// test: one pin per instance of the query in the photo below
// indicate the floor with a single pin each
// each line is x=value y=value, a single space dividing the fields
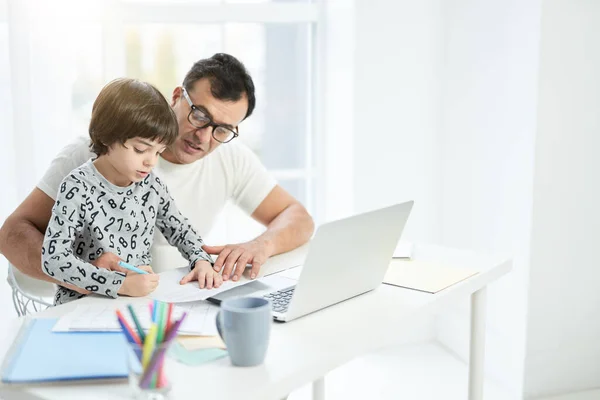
x=401 y=373
x=405 y=373
x=588 y=395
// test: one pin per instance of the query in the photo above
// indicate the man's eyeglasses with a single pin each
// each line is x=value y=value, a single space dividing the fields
x=200 y=120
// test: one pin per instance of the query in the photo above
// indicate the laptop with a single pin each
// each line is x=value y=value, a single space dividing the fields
x=346 y=258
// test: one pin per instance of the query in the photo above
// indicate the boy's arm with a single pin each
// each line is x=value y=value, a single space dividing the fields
x=58 y=260
x=22 y=235
x=178 y=231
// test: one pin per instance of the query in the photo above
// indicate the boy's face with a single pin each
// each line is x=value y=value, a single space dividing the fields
x=193 y=143
x=135 y=159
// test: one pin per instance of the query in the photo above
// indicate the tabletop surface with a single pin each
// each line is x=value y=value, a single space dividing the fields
x=302 y=350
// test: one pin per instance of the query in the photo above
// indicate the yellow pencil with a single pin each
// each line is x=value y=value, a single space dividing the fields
x=149 y=344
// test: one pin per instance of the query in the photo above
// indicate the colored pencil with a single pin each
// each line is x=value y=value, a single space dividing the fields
x=169 y=315
x=127 y=328
x=158 y=356
x=149 y=346
x=132 y=268
x=138 y=326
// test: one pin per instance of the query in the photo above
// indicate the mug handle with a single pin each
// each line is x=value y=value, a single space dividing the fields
x=219 y=328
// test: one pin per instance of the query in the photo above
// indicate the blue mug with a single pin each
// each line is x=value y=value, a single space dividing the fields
x=244 y=324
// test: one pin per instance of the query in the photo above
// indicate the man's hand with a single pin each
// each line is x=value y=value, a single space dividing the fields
x=234 y=257
x=204 y=274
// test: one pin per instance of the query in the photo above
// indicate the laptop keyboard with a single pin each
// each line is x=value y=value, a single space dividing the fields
x=280 y=299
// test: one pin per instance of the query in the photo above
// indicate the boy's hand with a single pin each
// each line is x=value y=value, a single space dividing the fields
x=110 y=261
x=139 y=285
x=204 y=274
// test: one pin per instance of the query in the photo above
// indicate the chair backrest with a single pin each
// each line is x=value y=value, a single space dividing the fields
x=29 y=294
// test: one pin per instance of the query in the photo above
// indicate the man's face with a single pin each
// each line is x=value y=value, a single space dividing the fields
x=192 y=143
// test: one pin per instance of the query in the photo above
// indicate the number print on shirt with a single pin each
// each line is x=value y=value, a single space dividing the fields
x=98 y=278
x=112 y=221
x=91 y=217
x=69 y=265
x=71 y=193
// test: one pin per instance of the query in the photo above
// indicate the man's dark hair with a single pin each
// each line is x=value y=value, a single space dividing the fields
x=228 y=77
x=128 y=108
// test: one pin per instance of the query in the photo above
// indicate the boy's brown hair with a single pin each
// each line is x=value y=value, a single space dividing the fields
x=128 y=108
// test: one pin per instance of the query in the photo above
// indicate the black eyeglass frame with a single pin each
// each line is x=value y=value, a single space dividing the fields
x=210 y=122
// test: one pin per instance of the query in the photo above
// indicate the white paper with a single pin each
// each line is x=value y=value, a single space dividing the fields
x=102 y=318
x=403 y=250
x=170 y=291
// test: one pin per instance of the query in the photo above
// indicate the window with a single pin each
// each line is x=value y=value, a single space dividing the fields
x=277 y=57
x=75 y=49
x=274 y=39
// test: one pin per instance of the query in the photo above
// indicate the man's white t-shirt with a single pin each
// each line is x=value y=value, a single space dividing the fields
x=200 y=189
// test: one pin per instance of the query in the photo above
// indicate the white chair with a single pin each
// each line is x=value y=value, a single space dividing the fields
x=29 y=295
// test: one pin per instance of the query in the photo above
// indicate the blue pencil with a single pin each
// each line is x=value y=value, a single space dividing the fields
x=130 y=338
x=131 y=267
x=137 y=349
x=154 y=311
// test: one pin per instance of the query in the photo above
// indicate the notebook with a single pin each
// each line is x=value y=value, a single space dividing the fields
x=39 y=355
x=425 y=276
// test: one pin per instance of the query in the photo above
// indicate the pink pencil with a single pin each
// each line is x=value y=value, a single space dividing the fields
x=128 y=328
x=169 y=312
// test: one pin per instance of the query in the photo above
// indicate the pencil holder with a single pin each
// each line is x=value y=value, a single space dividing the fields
x=148 y=375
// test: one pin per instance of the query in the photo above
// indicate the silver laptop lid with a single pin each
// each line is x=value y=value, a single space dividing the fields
x=348 y=257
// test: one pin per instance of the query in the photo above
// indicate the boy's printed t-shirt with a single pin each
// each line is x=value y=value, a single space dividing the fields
x=92 y=216
x=232 y=172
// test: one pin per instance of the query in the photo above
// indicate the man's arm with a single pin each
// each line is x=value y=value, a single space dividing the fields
x=22 y=235
x=288 y=223
x=288 y=226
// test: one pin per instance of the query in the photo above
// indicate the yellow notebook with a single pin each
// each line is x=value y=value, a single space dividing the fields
x=425 y=276
x=201 y=342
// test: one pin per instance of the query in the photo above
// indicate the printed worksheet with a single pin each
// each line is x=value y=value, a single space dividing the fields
x=102 y=318
x=170 y=291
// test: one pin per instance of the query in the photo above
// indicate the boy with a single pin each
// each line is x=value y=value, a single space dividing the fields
x=112 y=203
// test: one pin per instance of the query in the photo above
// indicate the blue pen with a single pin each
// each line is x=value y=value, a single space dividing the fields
x=131 y=267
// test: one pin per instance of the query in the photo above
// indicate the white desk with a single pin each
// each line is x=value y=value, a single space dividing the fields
x=304 y=350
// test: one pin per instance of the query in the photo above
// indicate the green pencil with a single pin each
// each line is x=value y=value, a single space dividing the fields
x=161 y=322
x=137 y=323
x=160 y=336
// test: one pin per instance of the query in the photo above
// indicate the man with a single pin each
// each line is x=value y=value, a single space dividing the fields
x=203 y=169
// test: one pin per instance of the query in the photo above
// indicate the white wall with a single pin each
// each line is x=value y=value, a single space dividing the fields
x=563 y=336
x=487 y=141
x=397 y=54
x=396 y=109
